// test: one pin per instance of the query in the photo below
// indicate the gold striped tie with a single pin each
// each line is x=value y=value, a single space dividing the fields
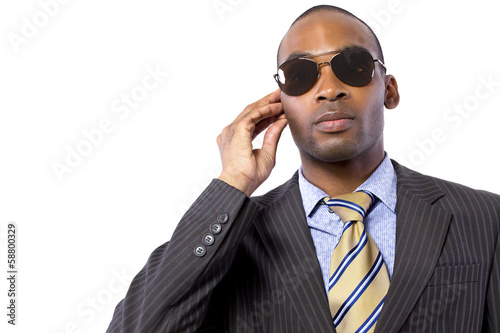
x=358 y=276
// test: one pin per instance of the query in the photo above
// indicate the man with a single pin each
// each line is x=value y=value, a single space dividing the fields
x=262 y=264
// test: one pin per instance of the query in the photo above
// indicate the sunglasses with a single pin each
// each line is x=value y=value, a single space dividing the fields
x=353 y=67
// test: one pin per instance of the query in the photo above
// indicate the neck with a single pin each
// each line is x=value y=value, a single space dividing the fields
x=335 y=178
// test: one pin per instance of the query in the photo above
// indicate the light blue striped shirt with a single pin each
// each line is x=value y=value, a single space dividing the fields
x=326 y=228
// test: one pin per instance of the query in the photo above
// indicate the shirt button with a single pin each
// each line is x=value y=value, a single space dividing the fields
x=223 y=218
x=215 y=228
x=200 y=251
x=208 y=239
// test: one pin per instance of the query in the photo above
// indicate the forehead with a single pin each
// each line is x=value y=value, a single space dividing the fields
x=323 y=32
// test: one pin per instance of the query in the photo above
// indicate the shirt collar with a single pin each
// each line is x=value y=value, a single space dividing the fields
x=382 y=183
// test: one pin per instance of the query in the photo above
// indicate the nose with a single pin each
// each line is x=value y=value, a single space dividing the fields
x=328 y=86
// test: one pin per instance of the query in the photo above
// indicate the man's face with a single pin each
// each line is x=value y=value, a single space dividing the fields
x=333 y=121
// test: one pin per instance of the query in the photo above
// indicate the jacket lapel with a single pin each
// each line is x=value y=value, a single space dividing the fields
x=286 y=236
x=420 y=234
x=421 y=230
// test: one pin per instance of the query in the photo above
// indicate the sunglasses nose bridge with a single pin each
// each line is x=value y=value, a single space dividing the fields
x=329 y=63
x=330 y=87
x=321 y=64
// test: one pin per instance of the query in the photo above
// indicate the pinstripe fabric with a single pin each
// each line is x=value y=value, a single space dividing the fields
x=262 y=273
x=462 y=227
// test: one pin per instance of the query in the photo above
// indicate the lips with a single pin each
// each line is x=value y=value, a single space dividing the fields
x=335 y=121
x=334 y=115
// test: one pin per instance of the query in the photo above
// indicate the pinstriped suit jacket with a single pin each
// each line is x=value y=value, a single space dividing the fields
x=262 y=274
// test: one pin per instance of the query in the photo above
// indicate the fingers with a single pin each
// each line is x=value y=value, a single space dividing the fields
x=265 y=123
x=242 y=166
x=260 y=109
x=259 y=118
x=254 y=119
x=273 y=135
x=273 y=97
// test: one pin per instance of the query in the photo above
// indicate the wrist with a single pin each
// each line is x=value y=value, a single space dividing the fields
x=237 y=182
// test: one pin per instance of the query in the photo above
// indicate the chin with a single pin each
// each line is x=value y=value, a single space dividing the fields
x=332 y=154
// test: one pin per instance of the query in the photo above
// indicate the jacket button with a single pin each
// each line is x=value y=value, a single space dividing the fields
x=208 y=239
x=215 y=228
x=200 y=251
x=222 y=218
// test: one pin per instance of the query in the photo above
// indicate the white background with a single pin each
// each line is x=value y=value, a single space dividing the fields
x=82 y=236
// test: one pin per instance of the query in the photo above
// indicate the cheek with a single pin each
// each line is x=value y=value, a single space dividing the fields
x=374 y=106
x=286 y=102
x=293 y=114
x=288 y=108
x=374 y=123
x=294 y=106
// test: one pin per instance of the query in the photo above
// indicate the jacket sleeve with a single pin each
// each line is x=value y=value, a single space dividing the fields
x=171 y=293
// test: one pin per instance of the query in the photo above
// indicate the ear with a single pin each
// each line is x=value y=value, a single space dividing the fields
x=391 y=92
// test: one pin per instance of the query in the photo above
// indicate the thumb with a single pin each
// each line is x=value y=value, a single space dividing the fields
x=273 y=135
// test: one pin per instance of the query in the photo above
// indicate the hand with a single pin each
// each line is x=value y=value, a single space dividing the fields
x=242 y=166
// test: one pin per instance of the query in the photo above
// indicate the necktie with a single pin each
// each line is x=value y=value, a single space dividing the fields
x=358 y=276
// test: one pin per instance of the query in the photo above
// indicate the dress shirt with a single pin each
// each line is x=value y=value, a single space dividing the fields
x=380 y=222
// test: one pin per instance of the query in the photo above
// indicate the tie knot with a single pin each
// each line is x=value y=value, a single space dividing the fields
x=350 y=206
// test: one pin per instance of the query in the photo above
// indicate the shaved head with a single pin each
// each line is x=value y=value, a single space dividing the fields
x=337 y=10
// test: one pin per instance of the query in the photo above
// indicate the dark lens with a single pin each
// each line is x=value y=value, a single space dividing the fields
x=354 y=67
x=297 y=76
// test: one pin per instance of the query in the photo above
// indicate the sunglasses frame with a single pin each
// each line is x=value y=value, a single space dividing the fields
x=318 y=65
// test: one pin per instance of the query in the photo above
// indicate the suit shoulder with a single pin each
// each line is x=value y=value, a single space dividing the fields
x=451 y=188
x=278 y=193
x=423 y=185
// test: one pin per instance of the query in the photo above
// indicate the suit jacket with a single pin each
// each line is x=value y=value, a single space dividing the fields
x=261 y=274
